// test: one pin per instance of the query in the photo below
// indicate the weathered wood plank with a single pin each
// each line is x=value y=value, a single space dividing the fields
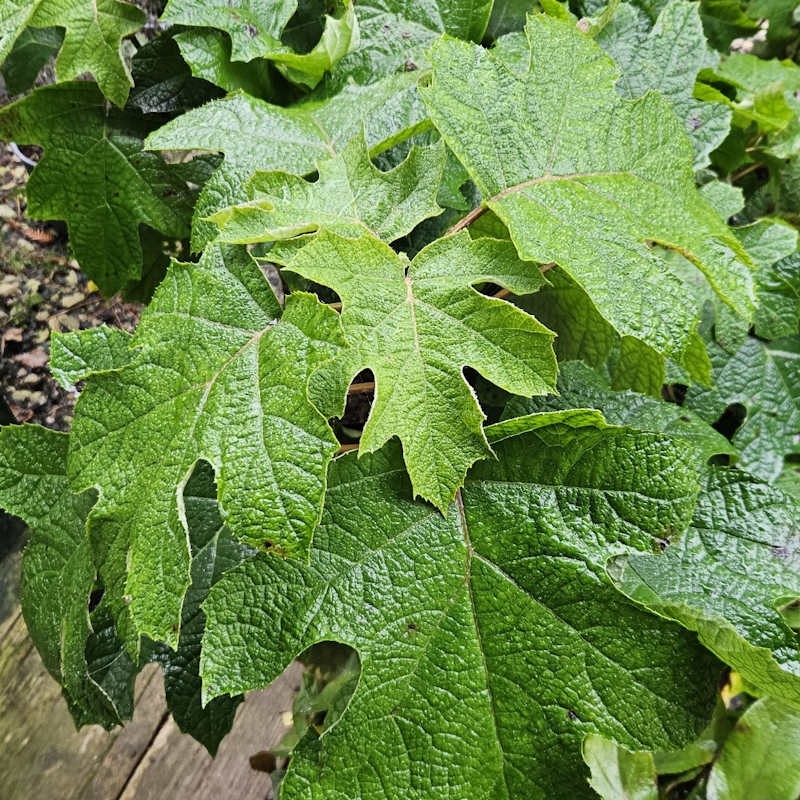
x=41 y=753
x=176 y=766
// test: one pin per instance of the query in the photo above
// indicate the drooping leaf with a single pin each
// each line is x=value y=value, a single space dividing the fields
x=761 y=757
x=58 y=572
x=32 y=49
x=581 y=387
x=77 y=355
x=115 y=186
x=726 y=577
x=216 y=377
x=214 y=550
x=618 y=774
x=587 y=180
x=255 y=30
x=93 y=34
x=764 y=378
x=455 y=698
x=351 y=196
x=416 y=325
x=667 y=59
x=300 y=136
x=207 y=52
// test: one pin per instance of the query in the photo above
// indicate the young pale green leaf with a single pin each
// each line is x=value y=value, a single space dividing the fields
x=726 y=577
x=255 y=30
x=214 y=550
x=300 y=136
x=764 y=378
x=94 y=30
x=58 y=572
x=588 y=180
x=761 y=757
x=667 y=59
x=351 y=196
x=77 y=355
x=618 y=774
x=416 y=326
x=115 y=186
x=216 y=377
x=491 y=640
x=581 y=387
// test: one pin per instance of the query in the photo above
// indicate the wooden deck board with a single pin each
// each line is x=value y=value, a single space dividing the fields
x=42 y=755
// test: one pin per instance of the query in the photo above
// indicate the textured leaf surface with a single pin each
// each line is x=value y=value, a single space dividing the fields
x=216 y=377
x=115 y=185
x=726 y=577
x=581 y=387
x=255 y=29
x=300 y=136
x=396 y=34
x=618 y=774
x=454 y=697
x=778 y=313
x=77 y=355
x=58 y=573
x=350 y=195
x=416 y=325
x=761 y=757
x=764 y=377
x=214 y=550
x=667 y=59
x=94 y=30
x=32 y=49
x=586 y=179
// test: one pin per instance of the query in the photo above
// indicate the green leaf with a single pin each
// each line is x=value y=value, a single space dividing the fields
x=32 y=49
x=93 y=34
x=114 y=185
x=208 y=55
x=761 y=757
x=58 y=573
x=77 y=355
x=726 y=577
x=214 y=551
x=255 y=30
x=581 y=387
x=667 y=59
x=618 y=774
x=764 y=377
x=416 y=326
x=217 y=378
x=350 y=197
x=163 y=81
x=491 y=642
x=396 y=35
x=778 y=288
x=587 y=179
x=300 y=136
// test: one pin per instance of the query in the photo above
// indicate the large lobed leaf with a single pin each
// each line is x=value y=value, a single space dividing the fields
x=491 y=640
x=416 y=325
x=588 y=180
x=215 y=376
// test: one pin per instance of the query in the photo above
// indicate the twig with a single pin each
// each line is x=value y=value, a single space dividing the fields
x=746 y=171
x=361 y=388
x=346 y=448
x=466 y=221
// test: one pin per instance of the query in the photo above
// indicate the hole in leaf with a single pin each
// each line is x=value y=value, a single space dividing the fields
x=731 y=420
